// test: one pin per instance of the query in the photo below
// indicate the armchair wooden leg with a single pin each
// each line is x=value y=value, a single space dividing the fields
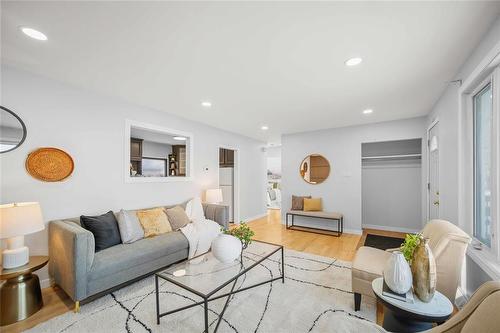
x=77 y=307
x=357 y=301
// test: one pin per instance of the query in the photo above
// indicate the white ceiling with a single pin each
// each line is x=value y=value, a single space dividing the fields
x=274 y=63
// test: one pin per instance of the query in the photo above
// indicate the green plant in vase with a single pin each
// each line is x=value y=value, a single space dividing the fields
x=409 y=245
x=242 y=232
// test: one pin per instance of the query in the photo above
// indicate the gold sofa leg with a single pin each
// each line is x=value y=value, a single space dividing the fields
x=77 y=307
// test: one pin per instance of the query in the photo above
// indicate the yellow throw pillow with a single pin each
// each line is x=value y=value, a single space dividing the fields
x=154 y=222
x=311 y=205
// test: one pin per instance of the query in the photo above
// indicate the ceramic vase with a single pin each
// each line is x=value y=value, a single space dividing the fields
x=397 y=273
x=423 y=267
x=226 y=248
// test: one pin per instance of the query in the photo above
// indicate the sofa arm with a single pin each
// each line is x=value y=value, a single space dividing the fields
x=217 y=213
x=71 y=250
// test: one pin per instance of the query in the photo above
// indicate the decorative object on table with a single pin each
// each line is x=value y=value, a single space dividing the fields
x=416 y=316
x=17 y=220
x=226 y=248
x=405 y=297
x=423 y=267
x=214 y=196
x=49 y=164
x=12 y=130
x=397 y=273
x=242 y=232
x=409 y=245
x=20 y=294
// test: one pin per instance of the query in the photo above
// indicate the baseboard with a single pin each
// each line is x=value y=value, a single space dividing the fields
x=45 y=283
x=252 y=218
x=385 y=228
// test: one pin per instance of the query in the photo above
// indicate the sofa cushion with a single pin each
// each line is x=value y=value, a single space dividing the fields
x=121 y=257
x=177 y=217
x=154 y=222
x=104 y=228
x=312 y=205
x=298 y=202
x=129 y=225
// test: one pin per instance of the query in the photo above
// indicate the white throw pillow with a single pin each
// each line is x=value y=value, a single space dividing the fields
x=194 y=210
x=129 y=226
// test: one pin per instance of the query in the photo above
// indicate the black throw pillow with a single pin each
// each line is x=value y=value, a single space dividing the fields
x=105 y=229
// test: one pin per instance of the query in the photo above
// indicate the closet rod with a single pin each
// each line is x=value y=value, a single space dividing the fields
x=390 y=156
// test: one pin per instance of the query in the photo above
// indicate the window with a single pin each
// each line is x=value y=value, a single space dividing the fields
x=483 y=142
x=154 y=167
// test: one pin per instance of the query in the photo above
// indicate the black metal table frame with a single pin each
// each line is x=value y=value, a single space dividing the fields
x=208 y=297
x=398 y=319
x=336 y=233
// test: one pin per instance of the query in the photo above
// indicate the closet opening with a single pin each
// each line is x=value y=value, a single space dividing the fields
x=391 y=185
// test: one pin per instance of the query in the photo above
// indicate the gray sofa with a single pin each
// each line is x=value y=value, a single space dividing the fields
x=85 y=275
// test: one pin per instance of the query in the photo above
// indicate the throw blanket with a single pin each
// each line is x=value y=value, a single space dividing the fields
x=200 y=234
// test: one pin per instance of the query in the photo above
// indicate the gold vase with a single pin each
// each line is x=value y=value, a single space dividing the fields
x=423 y=268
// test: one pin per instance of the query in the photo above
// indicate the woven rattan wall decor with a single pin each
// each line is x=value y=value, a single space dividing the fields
x=49 y=164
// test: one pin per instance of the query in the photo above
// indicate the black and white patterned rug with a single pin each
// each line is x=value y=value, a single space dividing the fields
x=316 y=297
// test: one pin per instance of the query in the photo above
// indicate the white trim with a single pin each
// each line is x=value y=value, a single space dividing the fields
x=236 y=180
x=486 y=261
x=428 y=166
x=126 y=154
x=387 y=228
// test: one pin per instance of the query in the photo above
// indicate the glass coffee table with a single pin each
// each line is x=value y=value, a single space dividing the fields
x=215 y=276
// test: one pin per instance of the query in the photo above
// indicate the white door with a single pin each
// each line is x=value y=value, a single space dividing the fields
x=433 y=171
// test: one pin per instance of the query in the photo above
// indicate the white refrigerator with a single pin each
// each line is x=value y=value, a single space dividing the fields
x=226 y=179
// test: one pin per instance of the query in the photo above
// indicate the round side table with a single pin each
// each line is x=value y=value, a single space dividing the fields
x=20 y=294
x=400 y=316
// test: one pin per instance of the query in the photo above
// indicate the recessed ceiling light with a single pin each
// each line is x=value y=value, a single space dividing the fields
x=367 y=111
x=206 y=104
x=264 y=127
x=353 y=61
x=179 y=138
x=35 y=34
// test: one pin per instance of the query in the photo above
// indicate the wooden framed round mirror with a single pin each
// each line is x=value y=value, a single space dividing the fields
x=12 y=130
x=314 y=169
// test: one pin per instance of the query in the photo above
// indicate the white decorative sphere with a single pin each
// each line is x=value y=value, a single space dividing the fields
x=226 y=248
x=397 y=273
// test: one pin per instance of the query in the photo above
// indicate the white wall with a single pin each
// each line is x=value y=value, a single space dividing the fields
x=274 y=159
x=91 y=128
x=447 y=111
x=342 y=147
x=392 y=195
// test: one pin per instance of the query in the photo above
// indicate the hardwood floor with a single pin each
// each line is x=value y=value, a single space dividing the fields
x=268 y=229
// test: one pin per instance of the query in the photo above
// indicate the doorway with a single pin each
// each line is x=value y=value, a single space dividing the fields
x=229 y=180
x=433 y=171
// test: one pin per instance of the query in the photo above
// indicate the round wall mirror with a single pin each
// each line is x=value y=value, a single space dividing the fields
x=314 y=169
x=12 y=130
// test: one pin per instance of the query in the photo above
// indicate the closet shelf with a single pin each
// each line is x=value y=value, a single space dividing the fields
x=391 y=157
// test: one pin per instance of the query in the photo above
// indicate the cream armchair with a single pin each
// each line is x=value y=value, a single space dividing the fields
x=479 y=315
x=448 y=244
